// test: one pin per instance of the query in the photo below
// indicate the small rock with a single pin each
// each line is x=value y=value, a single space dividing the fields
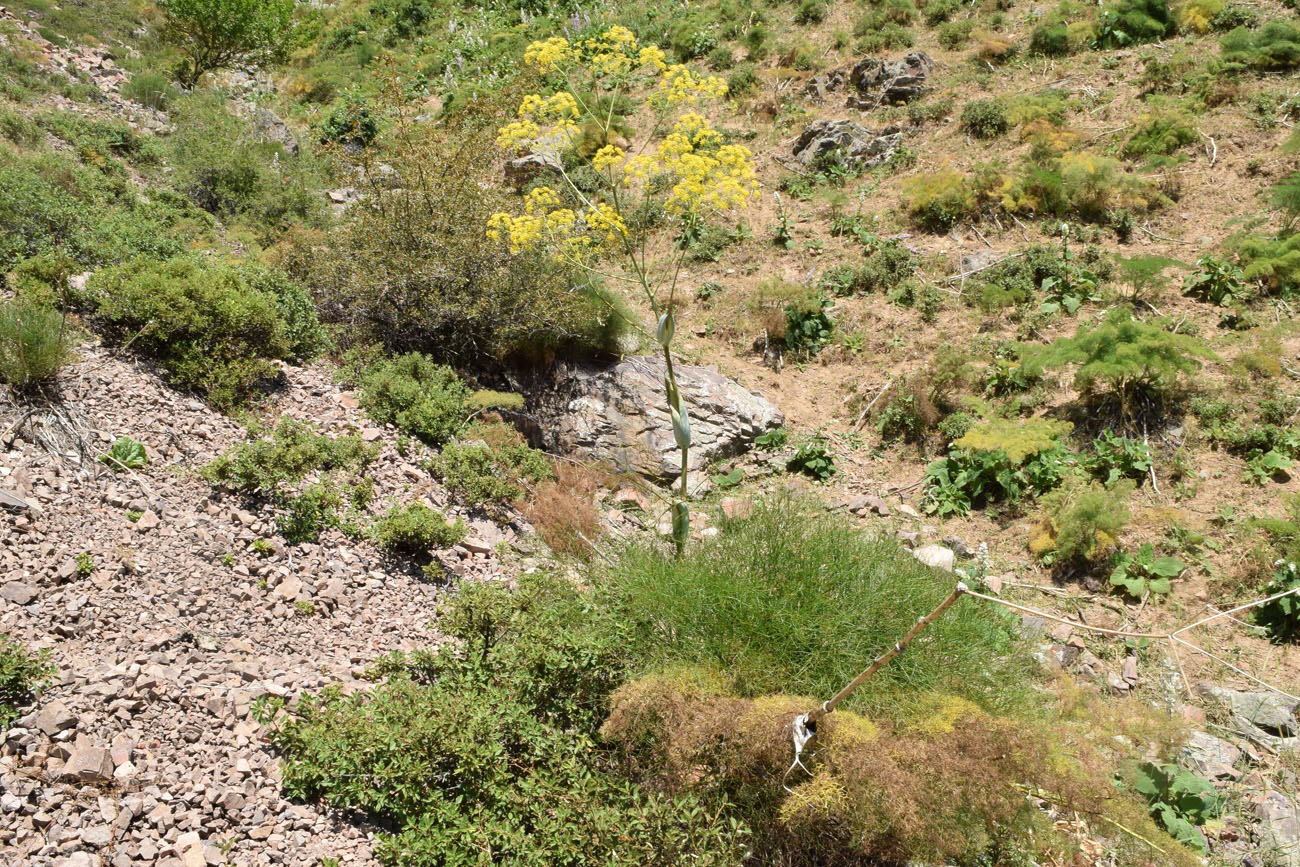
x=54 y=717
x=734 y=508
x=17 y=592
x=936 y=556
x=89 y=765
x=1208 y=753
x=147 y=521
x=1268 y=711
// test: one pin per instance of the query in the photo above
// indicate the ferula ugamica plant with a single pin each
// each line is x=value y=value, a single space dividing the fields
x=681 y=169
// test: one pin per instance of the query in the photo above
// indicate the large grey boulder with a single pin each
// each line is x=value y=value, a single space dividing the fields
x=617 y=413
x=270 y=127
x=874 y=81
x=1270 y=712
x=855 y=143
x=1279 y=829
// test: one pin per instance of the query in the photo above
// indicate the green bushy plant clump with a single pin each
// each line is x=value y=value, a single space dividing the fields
x=997 y=461
x=1271 y=263
x=1281 y=617
x=952 y=35
x=792 y=600
x=1216 y=282
x=1179 y=801
x=352 y=122
x=23 y=675
x=1143 y=572
x=223 y=166
x=213 y=328
x=224 y=34
x=416 y=530
x=50 y=203
x=293 y=451
x=1160 y=133
x=1081 y=523
x=1198 y=15
x=1066 y=278
x=415 y=395
x=936 y=12
x=402 y=270
x=1122 y=357
x=489 y=744
x=35 y=344
x=1116 y=457
x=304 y=515
x=1274 y=46
x=813 y=459
x=491 y=465
x=1051 y=40
x=808 y=327
x=810 y=12
x=940 y=201
x=985 y=118
x=153 y=89
x=1130 y=22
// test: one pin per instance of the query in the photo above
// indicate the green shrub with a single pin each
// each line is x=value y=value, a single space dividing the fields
x=417 y=396
x=213 y=328
x=488 y=744
x=1082 y=522
x=415 y=530
x=490 y=466
x=808 y=327
x=23 y=675
x=953 y=35
x=1132 y=360
x=1066 y=278
x=1272 y=263
x=1050 y=40
x=813 y=459
x=1216 y=282
x=1160 y=133
x=1276 y=45
x=810 y=12
x=793 y=600
x=1115 y=457
x=221 y=34
x=996 y=461
x=985 y=118
x=351 y=122
x=35 y=344
x=294 y=450
x=308 y=513
x=1129 y=22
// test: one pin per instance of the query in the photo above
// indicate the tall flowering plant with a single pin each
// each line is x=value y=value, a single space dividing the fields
x=681 y=165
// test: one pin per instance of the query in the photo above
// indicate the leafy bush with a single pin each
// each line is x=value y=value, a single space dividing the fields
x=812 y=459
x=996 y=461
x=888 y=263
x=1117 y=457
x=1051 y=40
x=1066 y=278
x=1281 y=617
x=1160 y=133
x=415 y=530
x=490 y=466
x=220 y=34
x=1273 y=263
x=1216 y=282
x=1143 y=572
x=416 y=396
x=22 y=676
x=1082 y=522
x=403 y=270
x=1276 y=45
x=940 y=201
x=213 y=328
x=985 y=118
x=1133 y=360
x=34 y=344
x=1179 y=801
x=294 y=450
x=351 y=122
x=307 y=513
x=807 y=326
x=488 y=745
x=1129 y=22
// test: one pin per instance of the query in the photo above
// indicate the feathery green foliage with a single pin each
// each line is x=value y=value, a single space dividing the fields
x=417 y=396
x=1082 y=522
x=1124 y=356
x=1002 y=460
x=1274 y=46
x=792 y=600
x=35 y=344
